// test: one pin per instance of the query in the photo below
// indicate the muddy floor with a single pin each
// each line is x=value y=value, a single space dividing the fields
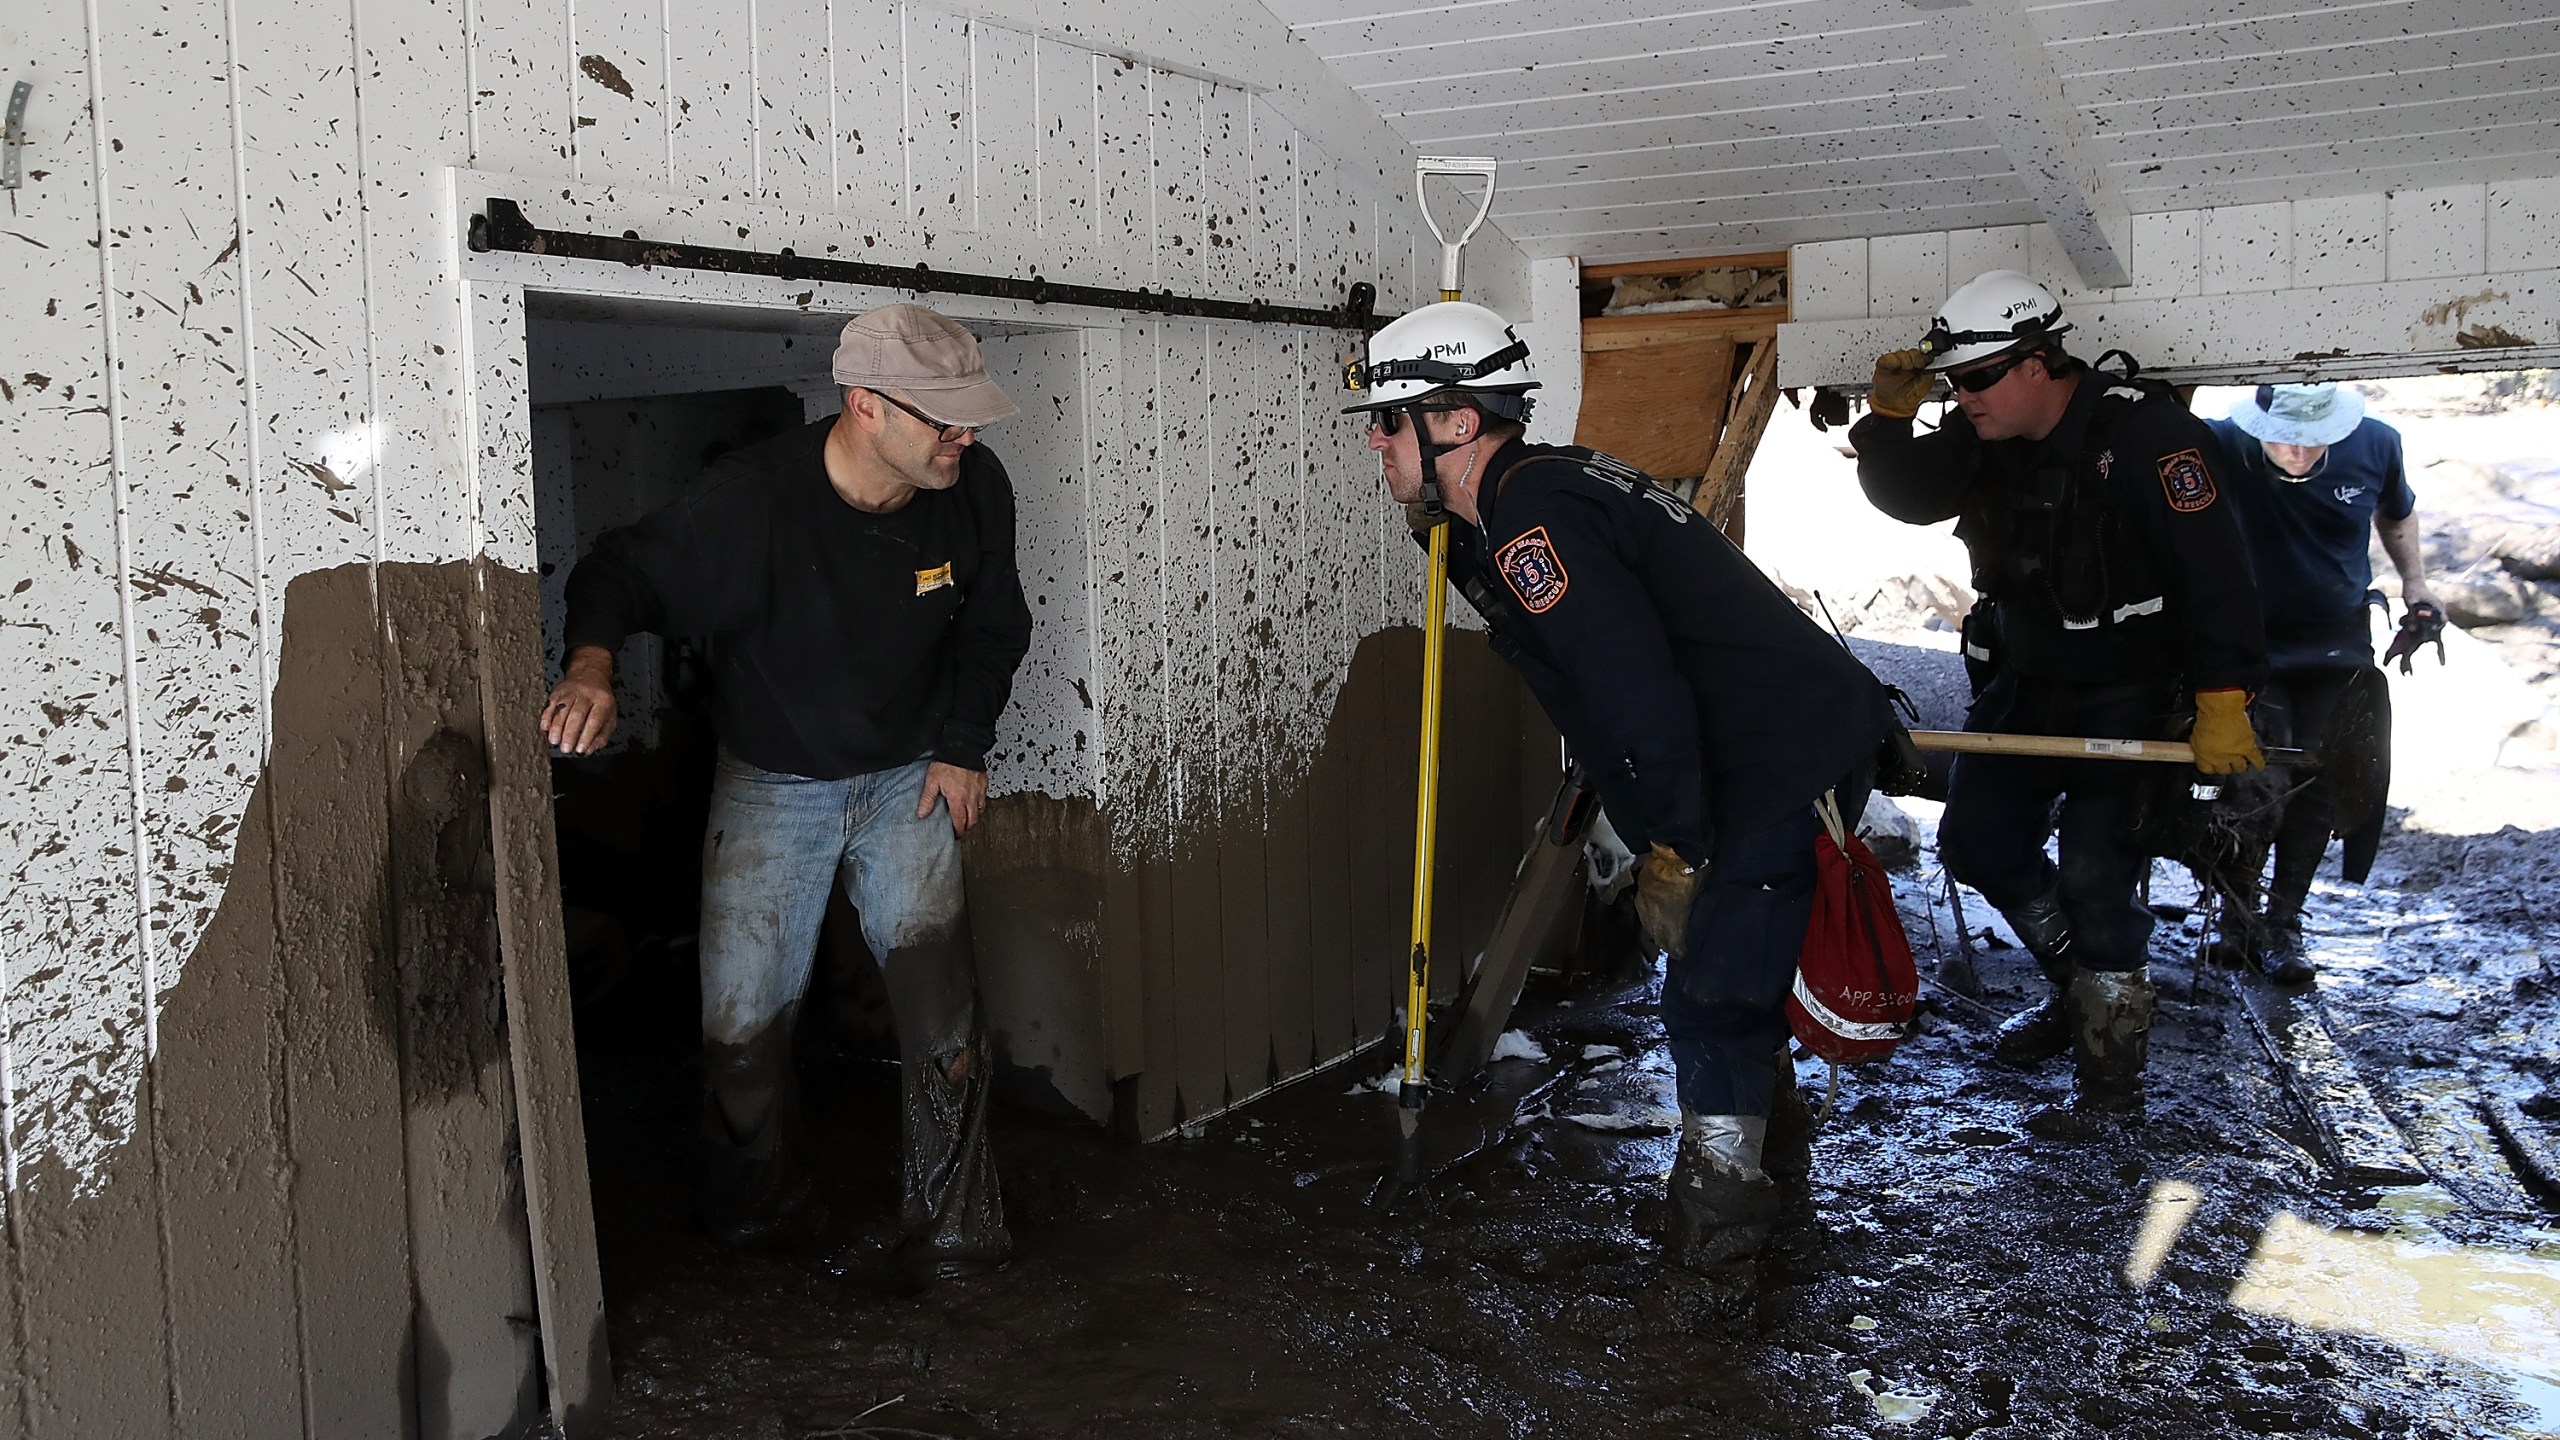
x=1979 y=1263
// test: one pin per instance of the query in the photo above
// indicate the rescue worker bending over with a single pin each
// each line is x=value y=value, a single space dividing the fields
x=1710 y=712
x=2312 y=475
x=2113 y=583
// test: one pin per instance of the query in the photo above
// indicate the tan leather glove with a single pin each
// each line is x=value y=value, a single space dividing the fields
x=1664 y=886
x=1902 y=382
x=1419 y=520
x=2223 y=742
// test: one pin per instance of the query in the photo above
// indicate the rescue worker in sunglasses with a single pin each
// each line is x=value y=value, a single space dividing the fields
x=2114 y=595
x=1708 y=710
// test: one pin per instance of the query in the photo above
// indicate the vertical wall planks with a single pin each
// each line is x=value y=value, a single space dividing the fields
x=620 y=110
x=520 y=90
x=1065 y=120
x=1005 y=144
x=1226 y=192
x=1293 y=718
x=937 y=120
x=413 y=299
x=1245 y=659
x=795 y=104
x=711 y=88
x=870 y=108
x=1175 y=124
x=1149 y=675
x=1328 y=539
x=315 y=455
x=1184 y=464
x=1124 y=190
x=83 y=1270
x=1270 y=204
x=1046 y=736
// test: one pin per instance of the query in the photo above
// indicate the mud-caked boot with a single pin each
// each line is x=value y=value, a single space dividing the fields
x=1724 y=1205
x=2111 y=1014
x=2035 y=1035
x=2277 y=949
x=951 y=1211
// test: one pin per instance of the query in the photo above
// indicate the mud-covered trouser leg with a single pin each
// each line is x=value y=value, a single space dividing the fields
x=1992 y=838
x=770 y=851
x=904 y=877
x=1724 y=999
x=2309 y=699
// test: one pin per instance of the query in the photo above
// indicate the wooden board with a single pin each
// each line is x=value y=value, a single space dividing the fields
x=1657 y=408
x=1605 y=334
x=2360 y=1140
x=1690 y=265
x=1719 y=493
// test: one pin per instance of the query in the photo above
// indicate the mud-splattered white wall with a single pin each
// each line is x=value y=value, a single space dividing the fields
x=246 y=349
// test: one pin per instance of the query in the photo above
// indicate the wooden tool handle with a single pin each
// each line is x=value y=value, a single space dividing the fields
x=2062 y=747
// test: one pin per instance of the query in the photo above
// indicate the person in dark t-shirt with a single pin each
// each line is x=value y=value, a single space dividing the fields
x=2312 y=476
x=854 y=581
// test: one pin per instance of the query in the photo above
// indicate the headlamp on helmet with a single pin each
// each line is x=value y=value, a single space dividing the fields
x=1994 y=312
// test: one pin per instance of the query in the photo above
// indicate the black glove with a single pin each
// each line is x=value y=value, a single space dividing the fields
x=2420 y=624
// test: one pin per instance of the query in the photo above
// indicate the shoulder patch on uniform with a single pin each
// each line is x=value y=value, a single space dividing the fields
x=2188 y=480
x=1531 y=567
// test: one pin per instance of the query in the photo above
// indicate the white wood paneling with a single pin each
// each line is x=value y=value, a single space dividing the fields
x=1005 y=130
x=1068 y=142
x=941 y=191
x=618 y=94
x=2523 y=223
x=711 y=90
x=795 y=103
x=1906 y=274
x=870 y=108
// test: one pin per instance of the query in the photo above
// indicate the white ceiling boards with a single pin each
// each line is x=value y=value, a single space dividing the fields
x=1630 y=129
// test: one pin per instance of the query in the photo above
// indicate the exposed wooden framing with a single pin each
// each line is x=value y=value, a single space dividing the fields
x=1747 y=411
x=1751 y=323
x=1690 y=265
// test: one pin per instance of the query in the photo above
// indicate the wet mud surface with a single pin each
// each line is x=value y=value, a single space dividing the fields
x=1979 y=1262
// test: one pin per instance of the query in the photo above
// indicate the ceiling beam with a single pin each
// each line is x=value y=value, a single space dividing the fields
x=1995 y=50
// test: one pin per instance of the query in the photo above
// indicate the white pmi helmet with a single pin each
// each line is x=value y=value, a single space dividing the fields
x=1450 y=346
x=1993 y=312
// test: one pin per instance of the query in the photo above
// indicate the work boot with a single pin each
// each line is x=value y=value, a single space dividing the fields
x=1724 y=1206
x=2035 y=1035
x=2111 y=1035
x=2277 y=947
x=951 y=1211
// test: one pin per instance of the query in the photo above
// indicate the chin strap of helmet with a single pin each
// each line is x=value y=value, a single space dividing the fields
x=1431 y=451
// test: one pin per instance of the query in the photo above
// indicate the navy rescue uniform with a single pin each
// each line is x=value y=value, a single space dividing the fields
x=2310 y=542
x=1708 y=710
x=2112 y=583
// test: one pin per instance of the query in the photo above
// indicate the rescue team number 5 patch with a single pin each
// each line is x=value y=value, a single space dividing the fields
x=1530 y=566
x=2188 y=480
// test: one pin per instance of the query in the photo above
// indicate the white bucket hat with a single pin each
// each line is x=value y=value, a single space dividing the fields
x=2319 y=414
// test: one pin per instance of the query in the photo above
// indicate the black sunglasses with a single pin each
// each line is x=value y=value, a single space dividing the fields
x=1974 y=382
x=1388 y=422
x=941 y=431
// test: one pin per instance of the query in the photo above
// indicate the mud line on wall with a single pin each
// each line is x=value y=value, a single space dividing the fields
x=1049 y=901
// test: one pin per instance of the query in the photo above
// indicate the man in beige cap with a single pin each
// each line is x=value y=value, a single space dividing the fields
x=854 y=582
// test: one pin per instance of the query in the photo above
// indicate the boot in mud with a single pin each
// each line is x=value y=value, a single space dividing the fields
x=1787 y=1154
x=1723 y=1209
x=2033 y=1036
x=2277 y=949
x=2111 y=1014
x=751 y=1190
x=951 y=1212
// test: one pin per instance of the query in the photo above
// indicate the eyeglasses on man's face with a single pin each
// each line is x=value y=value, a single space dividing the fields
x=942 y=432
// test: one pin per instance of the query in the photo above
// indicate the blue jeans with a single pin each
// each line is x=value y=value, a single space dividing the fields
x=1724 y=1000
x=774 y=845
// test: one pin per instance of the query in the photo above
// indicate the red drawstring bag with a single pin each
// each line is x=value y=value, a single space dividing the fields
x=1855 y=984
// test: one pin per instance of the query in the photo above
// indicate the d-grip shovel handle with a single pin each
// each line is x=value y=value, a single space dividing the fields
x=1452 y=167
